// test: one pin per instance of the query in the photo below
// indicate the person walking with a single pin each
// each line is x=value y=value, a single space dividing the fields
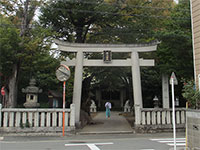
x=108 y=107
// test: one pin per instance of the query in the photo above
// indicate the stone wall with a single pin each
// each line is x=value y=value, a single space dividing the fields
x=193 y=128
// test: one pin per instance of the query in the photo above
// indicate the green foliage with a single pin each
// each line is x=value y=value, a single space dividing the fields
x=24 y=125
x=190 y=93
x=113 y=21
x=34 y=56
x=175 y=51
x=151 y=85
x=21 y=125
x=9 y=43
x=27 y=124
x=95 y=21
x=39 y=62
x=99 y=21
x=25 y=44
x=44 y=105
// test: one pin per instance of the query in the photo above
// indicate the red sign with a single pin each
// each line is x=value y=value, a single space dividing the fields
x=3 y=91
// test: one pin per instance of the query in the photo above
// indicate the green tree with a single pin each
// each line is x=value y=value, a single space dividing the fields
x=25 y=47
x=134 y=23
x=40 y=63
x=9 y=43
x=174 y=53
x=74 y=19
x=21 y=15
x=105 y=21
x=190 y=93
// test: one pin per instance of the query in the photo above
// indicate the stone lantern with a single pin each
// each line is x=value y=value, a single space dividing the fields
x=156 y=102
x=31 y=92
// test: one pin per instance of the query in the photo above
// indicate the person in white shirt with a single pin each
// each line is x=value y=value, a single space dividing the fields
x=108 y=107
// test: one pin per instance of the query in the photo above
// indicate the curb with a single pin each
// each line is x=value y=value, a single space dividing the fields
x=106 y=132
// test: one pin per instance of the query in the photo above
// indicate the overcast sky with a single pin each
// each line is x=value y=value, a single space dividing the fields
x=176 y=1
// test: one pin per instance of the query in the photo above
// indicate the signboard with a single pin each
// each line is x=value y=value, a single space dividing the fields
x=107 y=56
x=173 y=77
x=63 y=73
x=3 y=91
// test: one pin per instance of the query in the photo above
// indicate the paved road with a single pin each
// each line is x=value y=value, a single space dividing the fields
x=91 y=142
x=115 y=124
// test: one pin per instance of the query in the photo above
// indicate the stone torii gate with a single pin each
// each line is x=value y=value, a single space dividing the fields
x=134 y=63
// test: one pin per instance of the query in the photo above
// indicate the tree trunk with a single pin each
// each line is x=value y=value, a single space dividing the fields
x=79 y=34
x=13 y=81
x=12 y=87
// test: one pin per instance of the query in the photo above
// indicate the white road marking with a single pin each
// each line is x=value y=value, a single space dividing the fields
x=147 y=149
x=177 y=139
x=92 y=146
x=1 y=138
x=170 y=141
x=177 y=144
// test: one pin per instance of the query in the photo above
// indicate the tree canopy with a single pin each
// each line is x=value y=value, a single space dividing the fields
x=175 y=51
x=24 y=47
x=26 y=51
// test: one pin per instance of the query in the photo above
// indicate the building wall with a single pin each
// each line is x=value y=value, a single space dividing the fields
x=196 y=35
x=193 y=117
x=193 y=128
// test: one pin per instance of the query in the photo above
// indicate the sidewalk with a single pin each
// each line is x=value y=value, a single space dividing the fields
x=115 y=124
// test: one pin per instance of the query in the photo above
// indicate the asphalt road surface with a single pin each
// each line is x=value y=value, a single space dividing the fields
x=162 y=141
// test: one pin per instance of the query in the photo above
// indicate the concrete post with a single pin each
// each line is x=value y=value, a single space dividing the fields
x=11 y=119
x=137 y=115
x=78 y=85
x=72 y=115
x=36 y=119
x=165 y=91
x=137 y=90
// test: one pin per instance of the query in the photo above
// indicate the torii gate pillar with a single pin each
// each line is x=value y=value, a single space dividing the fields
x=78 y=85
x=137 y=90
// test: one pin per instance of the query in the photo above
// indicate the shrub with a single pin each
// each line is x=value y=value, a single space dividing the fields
x=190 y=93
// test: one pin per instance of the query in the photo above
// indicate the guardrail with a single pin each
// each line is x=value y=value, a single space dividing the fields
x=19 y=119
